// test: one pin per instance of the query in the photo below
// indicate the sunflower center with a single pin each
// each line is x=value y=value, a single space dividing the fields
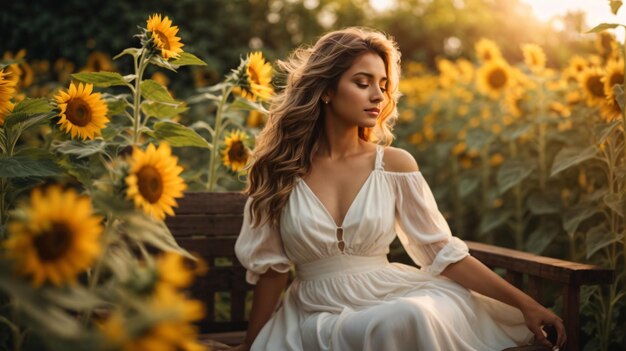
x=150 y=183
x=163 y=38
x=237 y=152
x=78 y=112
x=595 y=86
x=54 y=242
x=497 y=78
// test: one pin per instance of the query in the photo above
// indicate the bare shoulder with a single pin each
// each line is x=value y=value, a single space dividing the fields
x=399 y=160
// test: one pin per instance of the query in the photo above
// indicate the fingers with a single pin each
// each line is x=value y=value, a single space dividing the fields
x=539 y=337
x=562 y=336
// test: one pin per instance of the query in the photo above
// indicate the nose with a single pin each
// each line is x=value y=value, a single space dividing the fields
x=378 y=95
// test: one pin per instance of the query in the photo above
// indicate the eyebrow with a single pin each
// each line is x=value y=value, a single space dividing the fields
x=368 y=75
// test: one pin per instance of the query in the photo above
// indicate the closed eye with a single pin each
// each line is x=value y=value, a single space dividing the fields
x=363 y=86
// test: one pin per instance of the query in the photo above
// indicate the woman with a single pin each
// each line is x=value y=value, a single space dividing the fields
x=329 y=195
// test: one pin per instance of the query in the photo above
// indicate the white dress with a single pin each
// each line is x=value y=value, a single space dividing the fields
x=355 y=299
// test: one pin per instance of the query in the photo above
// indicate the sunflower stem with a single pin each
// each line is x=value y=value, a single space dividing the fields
x=140 y=66
x=216 y=137
x=95 y=276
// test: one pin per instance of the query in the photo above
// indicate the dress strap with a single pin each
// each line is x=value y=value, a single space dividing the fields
x=380 y=150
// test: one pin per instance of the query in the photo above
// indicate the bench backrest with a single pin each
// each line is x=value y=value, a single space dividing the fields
x=207 y=224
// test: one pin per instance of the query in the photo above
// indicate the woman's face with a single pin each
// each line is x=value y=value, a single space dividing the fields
x=359 y=96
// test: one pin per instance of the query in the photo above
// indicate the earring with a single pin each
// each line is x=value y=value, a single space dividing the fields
x=326 y=101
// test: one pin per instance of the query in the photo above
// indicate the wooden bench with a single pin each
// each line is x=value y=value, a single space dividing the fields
x=208 y=224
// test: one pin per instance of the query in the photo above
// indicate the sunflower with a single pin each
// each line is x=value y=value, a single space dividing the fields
x=466 y=70
x=154 y=180
x=494 y=77
x=610 y=110
x=559 y=109
x=256 y=119
x=592 y=86
x=7 y=90
x=176 y=271
x=98 y=61
x=164 y=36
x=487 y=50
x=171 y=328
x=54 y=237
x=259 y=78
x=5 y=111
x=22 y=73
x=236 y=154
x=495 y=160
x=534 y=57
x=513 y=100
x=83 y=113
x=614 y=74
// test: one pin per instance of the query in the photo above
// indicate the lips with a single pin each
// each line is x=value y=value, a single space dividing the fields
x=373 y=111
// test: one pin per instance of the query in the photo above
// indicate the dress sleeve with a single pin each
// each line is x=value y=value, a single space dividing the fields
x=421 y=228
x=260 y=248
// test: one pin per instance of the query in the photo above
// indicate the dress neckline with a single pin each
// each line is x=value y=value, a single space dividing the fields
x=377 y=166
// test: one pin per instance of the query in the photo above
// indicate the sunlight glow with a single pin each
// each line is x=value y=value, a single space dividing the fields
x=382 y=5
x=597 y=11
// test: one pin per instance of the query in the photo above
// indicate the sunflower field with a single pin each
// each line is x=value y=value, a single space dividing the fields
x=523 y=142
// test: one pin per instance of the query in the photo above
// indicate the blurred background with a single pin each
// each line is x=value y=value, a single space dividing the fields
x=512 y=109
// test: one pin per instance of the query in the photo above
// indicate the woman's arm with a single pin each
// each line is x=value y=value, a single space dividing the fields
x=474 y=275
x=266 y=295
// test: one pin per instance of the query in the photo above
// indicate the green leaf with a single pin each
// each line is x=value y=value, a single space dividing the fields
x=598 y=238
x=467 y=185
x=187 y=59
x=116 y=106
x=573 y=217
x=477 y=138
x=571 y=156
x=511 y=173
x=154 y=91
x=544 y=203
x=130 y=51
x=161 y=62
x=79 y=149
x=603 y=26
x=602 y=130
x=158 y=110
x=33 y=106
x=614 y=202
x=541 y=237
x=202 y=97
x=141 y=227
x=178 y=135
x=514 y=132
x=22 y=166
x=100 y=79
x=493 y=219
x=245 y=104
x=615 y=5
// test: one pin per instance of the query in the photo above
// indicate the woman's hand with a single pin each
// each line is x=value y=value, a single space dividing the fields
x=537 y=316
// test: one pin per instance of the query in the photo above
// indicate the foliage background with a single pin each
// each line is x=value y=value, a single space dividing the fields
x=222 y=31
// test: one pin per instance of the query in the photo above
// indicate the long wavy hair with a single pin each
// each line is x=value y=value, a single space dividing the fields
x=285 y=147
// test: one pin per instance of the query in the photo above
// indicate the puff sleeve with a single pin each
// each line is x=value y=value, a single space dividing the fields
x=259 y=249
x=421 y=228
